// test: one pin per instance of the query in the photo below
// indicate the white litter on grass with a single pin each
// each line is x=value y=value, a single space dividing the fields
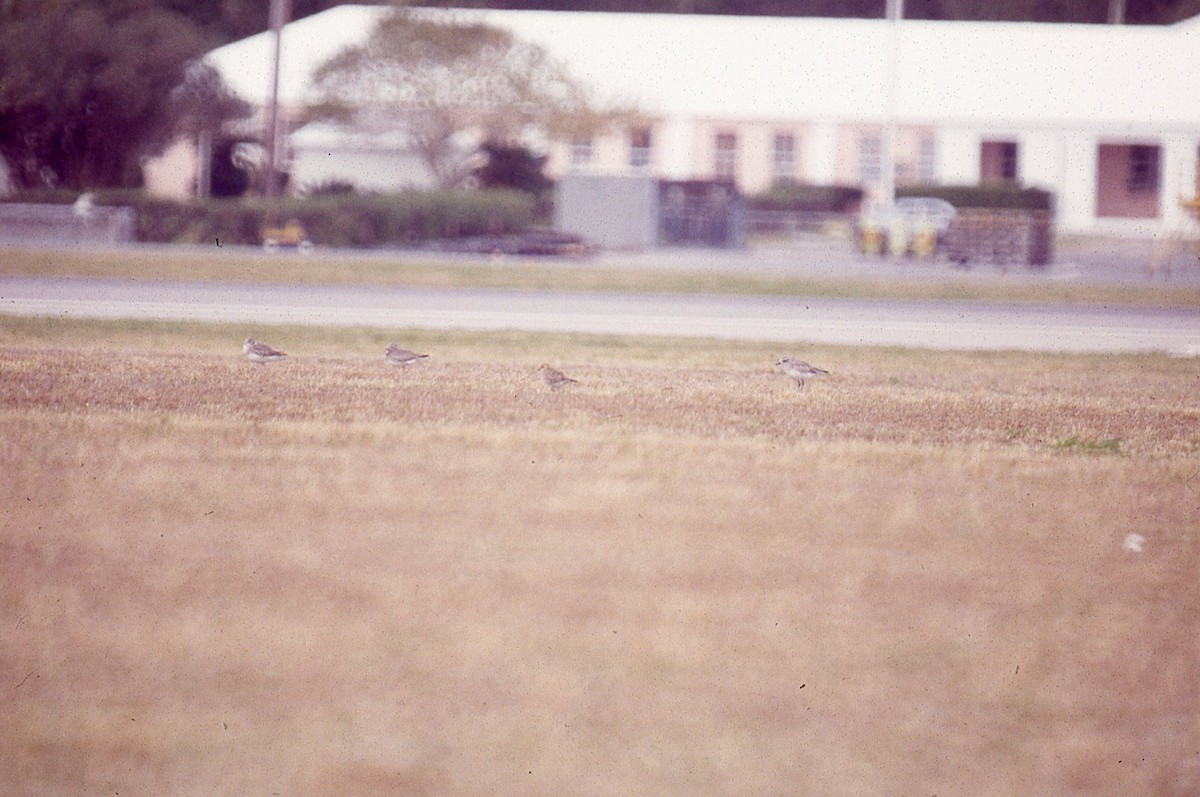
x=1134 y=542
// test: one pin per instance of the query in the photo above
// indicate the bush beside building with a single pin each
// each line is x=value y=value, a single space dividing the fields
x=365 y=221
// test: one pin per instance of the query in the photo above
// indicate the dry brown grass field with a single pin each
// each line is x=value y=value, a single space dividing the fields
x=682 y=576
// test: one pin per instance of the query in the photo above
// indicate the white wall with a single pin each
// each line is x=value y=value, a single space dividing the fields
x=1040 y=156
x=366 y=169
x=1063 y=162
x=672 y=148
x=958 y=155
x=1076 y=191
x=1179 y=164
x=819 y=153
x=172 y=174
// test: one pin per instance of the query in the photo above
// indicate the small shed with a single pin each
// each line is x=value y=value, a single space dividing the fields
x=701 y=213
x=611 y=211
x=639 y=212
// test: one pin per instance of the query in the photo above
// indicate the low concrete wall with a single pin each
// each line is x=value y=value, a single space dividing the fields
x=21 y=223
x=1001 y=237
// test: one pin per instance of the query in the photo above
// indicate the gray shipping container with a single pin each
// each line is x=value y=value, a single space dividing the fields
x=611 y=211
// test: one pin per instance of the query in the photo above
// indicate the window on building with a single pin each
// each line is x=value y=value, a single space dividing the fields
x=1143 y=169
x=783 y=160
x=870 y=159
x=1127 y=181
x=927 y=159
x=999 y=160
x=639 y=148
x=1008 y=160
x=581 y=151
x=725 y=157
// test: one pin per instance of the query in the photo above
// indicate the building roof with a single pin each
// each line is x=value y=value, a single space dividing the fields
x=1118 y=78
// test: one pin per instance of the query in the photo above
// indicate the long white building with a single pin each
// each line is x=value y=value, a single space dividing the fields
x=1106 y=117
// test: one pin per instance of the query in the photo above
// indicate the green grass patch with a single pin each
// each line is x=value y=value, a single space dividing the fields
x=1088 y=445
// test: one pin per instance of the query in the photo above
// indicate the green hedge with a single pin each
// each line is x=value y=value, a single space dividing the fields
x=986 y=195
x=809 y=198
x=330 y=220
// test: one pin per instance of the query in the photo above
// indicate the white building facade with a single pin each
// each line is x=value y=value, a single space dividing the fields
x=1105 y=117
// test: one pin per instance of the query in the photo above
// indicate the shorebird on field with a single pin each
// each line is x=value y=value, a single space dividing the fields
x=799 y=370
x=554 y=377
x=401 y=357
x=260 y=352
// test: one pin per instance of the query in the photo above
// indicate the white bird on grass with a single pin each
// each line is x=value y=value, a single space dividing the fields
x=800 y=370
x=554 y=377
x=401 y=357
x=260 y=352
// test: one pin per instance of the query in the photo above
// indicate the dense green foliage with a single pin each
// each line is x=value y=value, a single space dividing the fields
x=226 y=179
x=987 y=195
x=512 y=166
x=404 y=218
x=808 y=198
x=329 y=219
x=86 y=89
x=516 y=168
x=228 y=20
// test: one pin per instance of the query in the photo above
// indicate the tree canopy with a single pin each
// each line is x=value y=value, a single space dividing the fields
x=83 y=112
x=515 y=167
x=438 y=80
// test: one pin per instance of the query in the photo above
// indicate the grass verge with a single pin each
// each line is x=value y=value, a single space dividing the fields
x=390 y=269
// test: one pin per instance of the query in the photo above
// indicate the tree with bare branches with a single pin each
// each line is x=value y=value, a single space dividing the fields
x=450 y=84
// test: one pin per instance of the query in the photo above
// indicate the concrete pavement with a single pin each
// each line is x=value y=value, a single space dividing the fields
x=1091 y=260
x=929 y=324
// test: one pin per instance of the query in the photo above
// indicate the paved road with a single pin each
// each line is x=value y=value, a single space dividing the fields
x=931 y=324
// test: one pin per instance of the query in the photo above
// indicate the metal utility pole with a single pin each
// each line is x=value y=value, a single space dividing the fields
x=1116 y=12
x=204 y=148
x=887 y=186
x=280 y=13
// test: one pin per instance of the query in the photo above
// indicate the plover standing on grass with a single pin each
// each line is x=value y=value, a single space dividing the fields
x=401 y=357
x=554 y=377
x=260 y=352
x=800 y=370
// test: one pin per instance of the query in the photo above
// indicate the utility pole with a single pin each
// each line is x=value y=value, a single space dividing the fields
x=1116 y=12
x=887 y=187
x=279 y=15
x=204 y=148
